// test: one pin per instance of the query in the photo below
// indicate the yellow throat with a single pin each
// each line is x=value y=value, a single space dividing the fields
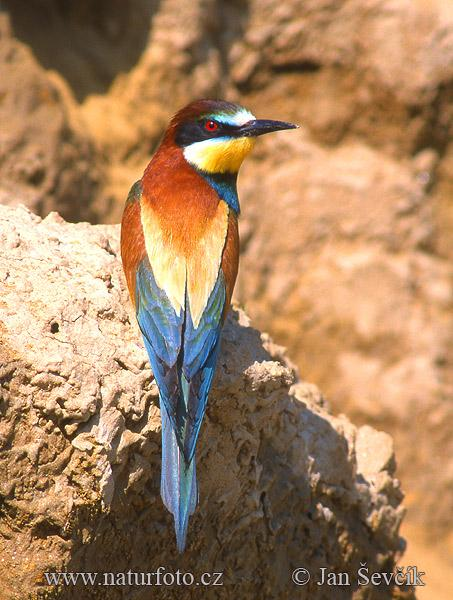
x=219 y=155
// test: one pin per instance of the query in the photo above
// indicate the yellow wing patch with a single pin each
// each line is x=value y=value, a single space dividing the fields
x=219 y=155
x=198 y=265
x=204 y=263
x=169 y=269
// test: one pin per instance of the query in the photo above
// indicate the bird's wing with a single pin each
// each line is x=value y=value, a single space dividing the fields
x=200 y=350
x=161 y=325
x=161 y=328
x=201 y=340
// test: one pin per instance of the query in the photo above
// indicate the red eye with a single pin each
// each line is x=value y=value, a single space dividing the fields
x=211 y=126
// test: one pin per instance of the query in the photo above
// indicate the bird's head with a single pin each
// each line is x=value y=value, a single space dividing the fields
x=215 y=136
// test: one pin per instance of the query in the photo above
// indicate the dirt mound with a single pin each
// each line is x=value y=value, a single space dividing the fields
x=283 y=483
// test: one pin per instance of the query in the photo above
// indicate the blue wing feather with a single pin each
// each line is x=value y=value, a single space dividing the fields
x=156 y=316
x=199 y=342
x=201 y=346
x=183 y=358
x=162 y=333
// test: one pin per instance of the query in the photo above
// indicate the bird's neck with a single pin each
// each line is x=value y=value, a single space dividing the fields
x=224 y=184
x=170 y=176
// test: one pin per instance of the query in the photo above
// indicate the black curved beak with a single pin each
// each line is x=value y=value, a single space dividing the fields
x=262 y=126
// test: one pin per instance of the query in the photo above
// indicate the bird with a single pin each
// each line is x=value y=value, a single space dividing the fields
x=180 y=254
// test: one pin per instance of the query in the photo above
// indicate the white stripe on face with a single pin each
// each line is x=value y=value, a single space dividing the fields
x=240 y=117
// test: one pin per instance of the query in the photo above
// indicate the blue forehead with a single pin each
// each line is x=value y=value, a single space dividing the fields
x=229 y=118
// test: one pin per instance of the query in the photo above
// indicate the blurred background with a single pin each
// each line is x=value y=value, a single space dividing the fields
x=347 y=224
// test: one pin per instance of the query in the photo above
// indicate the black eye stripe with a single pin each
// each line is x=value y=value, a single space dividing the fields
x=224 y=127
x=195 y=131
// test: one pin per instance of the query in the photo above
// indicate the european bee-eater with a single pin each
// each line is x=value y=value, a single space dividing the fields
x=180 y=249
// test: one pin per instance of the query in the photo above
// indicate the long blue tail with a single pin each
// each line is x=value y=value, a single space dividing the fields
x=178 y=485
